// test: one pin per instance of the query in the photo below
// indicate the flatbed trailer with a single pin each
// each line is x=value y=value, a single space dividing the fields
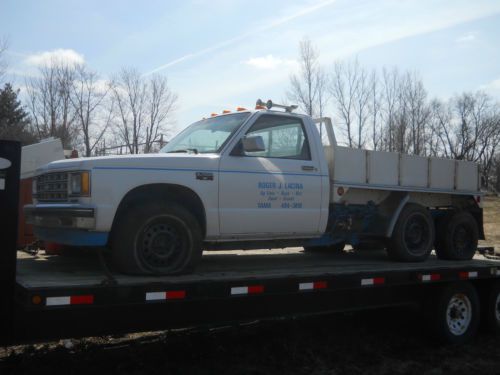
x=54 y=297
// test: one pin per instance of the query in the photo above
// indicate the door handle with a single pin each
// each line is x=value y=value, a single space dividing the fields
x=308 y=168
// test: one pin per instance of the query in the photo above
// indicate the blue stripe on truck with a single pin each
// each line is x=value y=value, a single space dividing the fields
x=210 y=170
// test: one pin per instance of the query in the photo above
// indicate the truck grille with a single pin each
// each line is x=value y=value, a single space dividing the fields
x=52 y=187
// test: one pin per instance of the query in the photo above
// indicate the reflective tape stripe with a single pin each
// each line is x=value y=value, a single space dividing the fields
x=373 y=281
x=70 y=300
x=431 y=277
x=162 y=296
x=313 y=285
x=242 y=290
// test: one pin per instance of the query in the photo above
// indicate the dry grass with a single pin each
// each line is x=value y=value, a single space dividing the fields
x=491 y=207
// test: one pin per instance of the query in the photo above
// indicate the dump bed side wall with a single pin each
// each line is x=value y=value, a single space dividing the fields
x=394 y=171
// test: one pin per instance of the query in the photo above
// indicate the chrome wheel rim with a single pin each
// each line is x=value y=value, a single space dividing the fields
x=459 y=314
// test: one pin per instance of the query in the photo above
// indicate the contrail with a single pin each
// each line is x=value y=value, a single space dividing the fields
x=271 y=25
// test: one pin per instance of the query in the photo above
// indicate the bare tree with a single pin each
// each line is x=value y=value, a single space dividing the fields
x=160 y=105
x=49 y=103
x=390 y=85
x=308 y=88
x=143 y=107
x=350 y=91
x=375 y=109
x=88 y=99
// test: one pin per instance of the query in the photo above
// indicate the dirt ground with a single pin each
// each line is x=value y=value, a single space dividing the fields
x=390 y=341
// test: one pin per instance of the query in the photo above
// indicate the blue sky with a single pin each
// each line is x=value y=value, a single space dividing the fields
x=220 y=54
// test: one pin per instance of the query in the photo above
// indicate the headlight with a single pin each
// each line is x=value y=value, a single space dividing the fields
x=79 y=184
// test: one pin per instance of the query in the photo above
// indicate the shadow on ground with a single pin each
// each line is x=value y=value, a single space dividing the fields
x=389 y=341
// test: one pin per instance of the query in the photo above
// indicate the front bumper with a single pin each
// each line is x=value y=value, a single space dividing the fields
x=60 y=216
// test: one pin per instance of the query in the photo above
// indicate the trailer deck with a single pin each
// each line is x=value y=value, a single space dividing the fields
x=84 y=270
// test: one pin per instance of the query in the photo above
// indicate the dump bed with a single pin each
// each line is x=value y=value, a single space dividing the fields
x=395 y=171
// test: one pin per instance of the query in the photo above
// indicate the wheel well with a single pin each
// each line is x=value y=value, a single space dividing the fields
x=177 y=193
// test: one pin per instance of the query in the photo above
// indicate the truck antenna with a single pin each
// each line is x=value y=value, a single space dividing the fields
x=269 y=104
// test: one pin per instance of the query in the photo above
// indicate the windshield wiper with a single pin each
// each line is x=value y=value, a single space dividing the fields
x=194 y=150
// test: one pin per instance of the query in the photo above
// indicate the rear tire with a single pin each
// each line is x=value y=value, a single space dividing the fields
x=156 y=238
x=457 y=237
x=454 y=313
x=413 y=235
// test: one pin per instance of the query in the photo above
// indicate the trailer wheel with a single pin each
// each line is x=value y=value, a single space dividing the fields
x=457 y=237
x=156 y=238
x=491 y=309
x=337 y=247
x=413 y=235
x=454 y=313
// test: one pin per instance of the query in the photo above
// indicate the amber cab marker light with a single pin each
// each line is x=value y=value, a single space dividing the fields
x=239 y=109
x=85 y=184
x=213 y=114
x=260 y=107
x=226 y=111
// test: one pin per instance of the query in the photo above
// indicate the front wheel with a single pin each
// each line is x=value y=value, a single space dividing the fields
x=156 y=238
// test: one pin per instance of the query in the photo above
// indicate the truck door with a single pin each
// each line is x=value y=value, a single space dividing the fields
x=275 y=192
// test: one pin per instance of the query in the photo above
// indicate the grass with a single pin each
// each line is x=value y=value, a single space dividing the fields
x=491 y=206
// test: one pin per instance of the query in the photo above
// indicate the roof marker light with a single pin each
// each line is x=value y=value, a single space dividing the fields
x=226 y=111
x=239 y=109
x=213 y=114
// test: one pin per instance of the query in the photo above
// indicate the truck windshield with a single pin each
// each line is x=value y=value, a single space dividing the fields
x=206 y=136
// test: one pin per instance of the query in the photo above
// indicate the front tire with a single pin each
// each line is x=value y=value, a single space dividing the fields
x=413 y=235
x=156 y=238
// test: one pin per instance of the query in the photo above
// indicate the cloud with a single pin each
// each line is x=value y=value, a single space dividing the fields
x=252 y=33
x=269 y=62
x=492 y=87
x=57 y=56
x=466 y=38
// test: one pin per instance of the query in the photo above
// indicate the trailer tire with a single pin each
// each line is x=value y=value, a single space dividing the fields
x=454 y=313
x=337 y=247
x=156 y=238
x=491 y=309
x=457 y=236
x=413 y=235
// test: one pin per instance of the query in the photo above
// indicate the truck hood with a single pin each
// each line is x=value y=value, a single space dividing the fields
x=160 y=160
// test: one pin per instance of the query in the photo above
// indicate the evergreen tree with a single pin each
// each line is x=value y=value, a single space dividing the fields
x=14 y=121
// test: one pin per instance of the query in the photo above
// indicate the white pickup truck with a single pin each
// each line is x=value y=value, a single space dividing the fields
x=257 y=179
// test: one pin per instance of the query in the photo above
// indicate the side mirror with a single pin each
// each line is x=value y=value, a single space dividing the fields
x=253 y=144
